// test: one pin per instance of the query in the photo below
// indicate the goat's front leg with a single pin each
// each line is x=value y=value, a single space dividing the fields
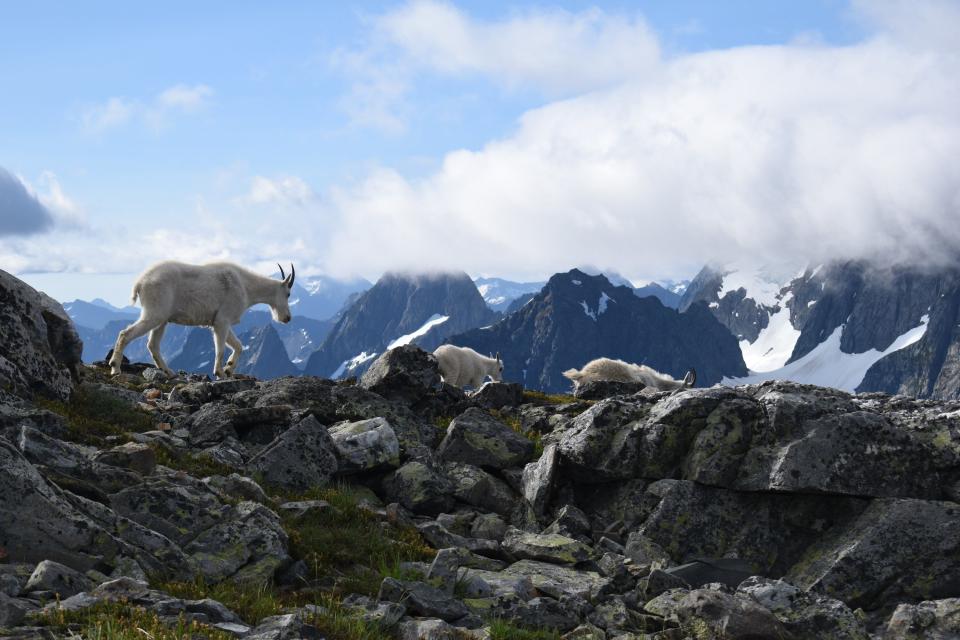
x=236 y=348
x=219 y=338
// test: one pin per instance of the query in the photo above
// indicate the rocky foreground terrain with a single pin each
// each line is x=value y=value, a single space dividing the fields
x=396 y=506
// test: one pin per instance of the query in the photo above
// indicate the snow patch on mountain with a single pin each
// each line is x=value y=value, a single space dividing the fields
x=352 y=363
x=431 y=322
x=828 y=366
x=774 y=345
x=762 y=289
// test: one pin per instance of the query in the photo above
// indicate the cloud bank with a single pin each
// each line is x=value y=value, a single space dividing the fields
x=21 y=213
x=800 y=151
x=653 y=166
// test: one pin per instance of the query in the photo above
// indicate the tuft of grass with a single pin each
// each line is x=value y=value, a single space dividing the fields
x=442 y=422
x=94 y=415
x=514 y=423
x=197 y=465
x=503 y=630
x=336 y=622
x=539 y=397
x=349 y=543
x=252 y=602
x=123 y=621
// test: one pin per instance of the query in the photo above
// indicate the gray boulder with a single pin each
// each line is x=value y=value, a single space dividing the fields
x=720 y=615
x=304 y=456
x=475 y=437
x=895 y=550
x=496 y=395
x=366 y=445
x=135 y=456
x=539 y=478
x=13 y=611
x=215 y=422
x=476 y=487
x=553 y=548
x=930 y=620
x=420 y=488
x=422 y=599
x=806 y=615
x=404 y=374
x=556 y=580
x=57 y=578
x=600 y=389
x=39 y=347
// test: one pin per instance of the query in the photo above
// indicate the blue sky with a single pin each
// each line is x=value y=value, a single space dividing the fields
x=338 y=134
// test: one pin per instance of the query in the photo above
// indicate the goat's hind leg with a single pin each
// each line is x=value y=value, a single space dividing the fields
x=153 y=345
x=219 y=340
x=141 y=327
x=236 y=348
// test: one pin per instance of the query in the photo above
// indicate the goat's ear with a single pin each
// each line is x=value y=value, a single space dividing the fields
x=288 y=280
x=498 y=356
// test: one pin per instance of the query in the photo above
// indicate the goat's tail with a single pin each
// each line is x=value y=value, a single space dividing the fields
x=573 y=374
x=135 y=294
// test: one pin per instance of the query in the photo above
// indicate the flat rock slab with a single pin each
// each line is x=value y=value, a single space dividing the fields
x=475 y=437
x=556 y=580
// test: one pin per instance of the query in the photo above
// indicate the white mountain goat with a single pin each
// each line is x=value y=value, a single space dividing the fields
x=620 y=371
x=462 y=366
x=212 y=295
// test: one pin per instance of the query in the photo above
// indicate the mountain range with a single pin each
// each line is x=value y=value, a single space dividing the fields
x=400 y=308
x=847 y=324
x=852 y=325
x=577 y=317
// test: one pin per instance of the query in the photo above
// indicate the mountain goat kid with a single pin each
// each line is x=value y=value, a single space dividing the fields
x=620 y=371
x=462 y=366
x=211 y=295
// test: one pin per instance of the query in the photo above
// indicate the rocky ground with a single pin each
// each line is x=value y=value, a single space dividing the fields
x=396 y=506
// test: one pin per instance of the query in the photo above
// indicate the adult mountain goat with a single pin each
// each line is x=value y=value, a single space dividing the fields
x=620 y=371
x=462 y=366
x=211 y=295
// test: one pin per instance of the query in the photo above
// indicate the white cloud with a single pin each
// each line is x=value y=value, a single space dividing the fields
x=285 y=191
x=552 y=52
x=155 y=113
x=806 y=151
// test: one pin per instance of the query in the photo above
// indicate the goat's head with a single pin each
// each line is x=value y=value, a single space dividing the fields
x=497 y=375
x=280 y=306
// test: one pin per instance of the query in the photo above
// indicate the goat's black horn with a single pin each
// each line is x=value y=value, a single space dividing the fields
x=293 y=274
x=283 y=276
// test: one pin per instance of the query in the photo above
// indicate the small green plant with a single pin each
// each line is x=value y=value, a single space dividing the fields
x=93 y=415
x=539 y=397
x=123 y=621
x=252 y=602
x=350 y=543
x=336 y=622
x=197 y=465
x=514 y=423
x=503 y=630
x=442 y=422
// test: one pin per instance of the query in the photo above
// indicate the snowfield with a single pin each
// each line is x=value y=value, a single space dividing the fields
x=828 y=366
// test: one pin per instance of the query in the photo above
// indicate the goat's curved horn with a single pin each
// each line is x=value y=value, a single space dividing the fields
x=283 y=276
x=293 y=275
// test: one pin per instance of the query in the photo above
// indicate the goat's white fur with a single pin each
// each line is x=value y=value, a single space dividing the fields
x=462 y=366
x=212 y=295
x=620 y=371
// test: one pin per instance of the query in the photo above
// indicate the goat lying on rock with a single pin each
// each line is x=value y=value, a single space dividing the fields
x=620 y=371
x=212 y=295
x=462 y=366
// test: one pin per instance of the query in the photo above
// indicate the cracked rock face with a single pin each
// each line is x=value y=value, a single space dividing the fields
x=39 y=348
